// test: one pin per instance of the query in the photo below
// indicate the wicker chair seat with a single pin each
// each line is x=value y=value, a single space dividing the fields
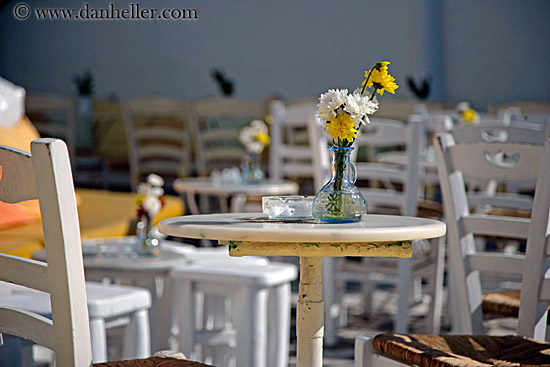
x=463 y=350
x=156 y=361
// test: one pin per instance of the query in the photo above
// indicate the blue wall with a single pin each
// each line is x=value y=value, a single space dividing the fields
x=489 y=51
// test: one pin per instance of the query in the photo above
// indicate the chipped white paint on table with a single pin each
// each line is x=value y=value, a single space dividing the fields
x=375 y=235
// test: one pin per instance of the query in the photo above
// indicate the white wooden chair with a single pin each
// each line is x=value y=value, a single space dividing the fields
x=159 y=138
x=216 y=124
x=455 y=161
x=46 y=175
x=298 y=146
x=400 y=189
x=54 y=116
x=257 y=329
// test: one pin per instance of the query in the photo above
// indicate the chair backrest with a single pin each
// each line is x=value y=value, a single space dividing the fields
x=216 y=126
x=159 y=138
x=511 y=161
x=54 y=116
x=46 y=175
x=398 y=185
x=298 y=146
x=535 y=289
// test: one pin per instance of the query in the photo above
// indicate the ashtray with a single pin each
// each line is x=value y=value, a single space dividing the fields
x=287 y=207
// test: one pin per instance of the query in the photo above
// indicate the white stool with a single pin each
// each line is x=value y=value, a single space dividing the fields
x=108 y=306
x=247 y=285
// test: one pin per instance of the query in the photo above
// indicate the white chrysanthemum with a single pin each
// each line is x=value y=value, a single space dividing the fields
x=152 y=205
x=155 y=180
x=329 y=102
x=248 y=134
x=255 y=147
x=359 y=107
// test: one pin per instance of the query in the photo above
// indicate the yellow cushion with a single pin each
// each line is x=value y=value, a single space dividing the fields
x=101 y=214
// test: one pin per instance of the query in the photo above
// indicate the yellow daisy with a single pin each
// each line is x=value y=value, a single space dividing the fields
x=379 y=77
x=262 y=138
x=342 y=127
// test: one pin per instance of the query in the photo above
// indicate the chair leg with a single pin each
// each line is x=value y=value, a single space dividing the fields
x=250 y=317
x=435 y=286
x=279 y=326
x=99 y=340
x=137 y=343
x=186 y=317
x=402 y=318
x=332 y=302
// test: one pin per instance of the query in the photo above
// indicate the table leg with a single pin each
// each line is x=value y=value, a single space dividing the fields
x=310 y=313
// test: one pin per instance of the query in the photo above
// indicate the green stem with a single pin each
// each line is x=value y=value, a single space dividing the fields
x=367 y=81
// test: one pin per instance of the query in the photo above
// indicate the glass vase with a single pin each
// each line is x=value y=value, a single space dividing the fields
x=252 y=172
x=339 y=201
x=146 y=243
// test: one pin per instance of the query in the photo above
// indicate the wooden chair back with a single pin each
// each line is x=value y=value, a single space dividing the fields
x=54 y=116
x=159 y=138
x=535 y=288
x=216 y=125
x=512 y=161
x=46 y=175
x=298 y=146
x=398 y=186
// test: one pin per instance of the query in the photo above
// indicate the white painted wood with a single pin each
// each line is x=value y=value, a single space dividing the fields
x=309 y=312
x=534 y=303
x=455 y=161
x=247 y=283
x=533 y=311
x=29 y=273
x=159 y=137
x=54 y=116
x=65 y=276
x=27 y=325
x=209 y=119
x=291 y=157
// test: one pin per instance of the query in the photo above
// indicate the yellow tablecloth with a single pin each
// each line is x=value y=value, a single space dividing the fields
x=101 y=214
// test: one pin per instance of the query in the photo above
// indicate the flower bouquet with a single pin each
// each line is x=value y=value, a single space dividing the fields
x=150 y=202
x=344 y=113
x=254 y=138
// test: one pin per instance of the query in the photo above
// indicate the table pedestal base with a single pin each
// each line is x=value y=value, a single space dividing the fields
x=310 y=313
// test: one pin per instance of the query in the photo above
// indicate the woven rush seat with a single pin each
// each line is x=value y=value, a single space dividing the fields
x=153 y=362
x=463 y=350
x=502 y=303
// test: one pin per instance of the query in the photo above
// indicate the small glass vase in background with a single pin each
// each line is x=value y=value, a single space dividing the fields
x=339 y=201
x=251 y=170
x=146 y=243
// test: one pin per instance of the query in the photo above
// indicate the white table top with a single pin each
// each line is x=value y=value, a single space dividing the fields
x=204 y=185
x=114 y=256
x=230 y=227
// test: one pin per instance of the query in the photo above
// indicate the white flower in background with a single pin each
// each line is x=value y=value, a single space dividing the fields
x=254 y=137
x=149 y=197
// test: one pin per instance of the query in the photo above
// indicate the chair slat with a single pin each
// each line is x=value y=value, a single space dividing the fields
x=27 y=325
x=17 y=180
x=492 y=225
x=30 y=273
x=495 y=262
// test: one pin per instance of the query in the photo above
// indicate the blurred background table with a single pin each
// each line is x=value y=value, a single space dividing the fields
x=111 y=258
x=233 y=196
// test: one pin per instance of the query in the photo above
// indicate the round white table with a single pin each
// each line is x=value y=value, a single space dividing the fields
x=253 y=234
x=237 y=192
